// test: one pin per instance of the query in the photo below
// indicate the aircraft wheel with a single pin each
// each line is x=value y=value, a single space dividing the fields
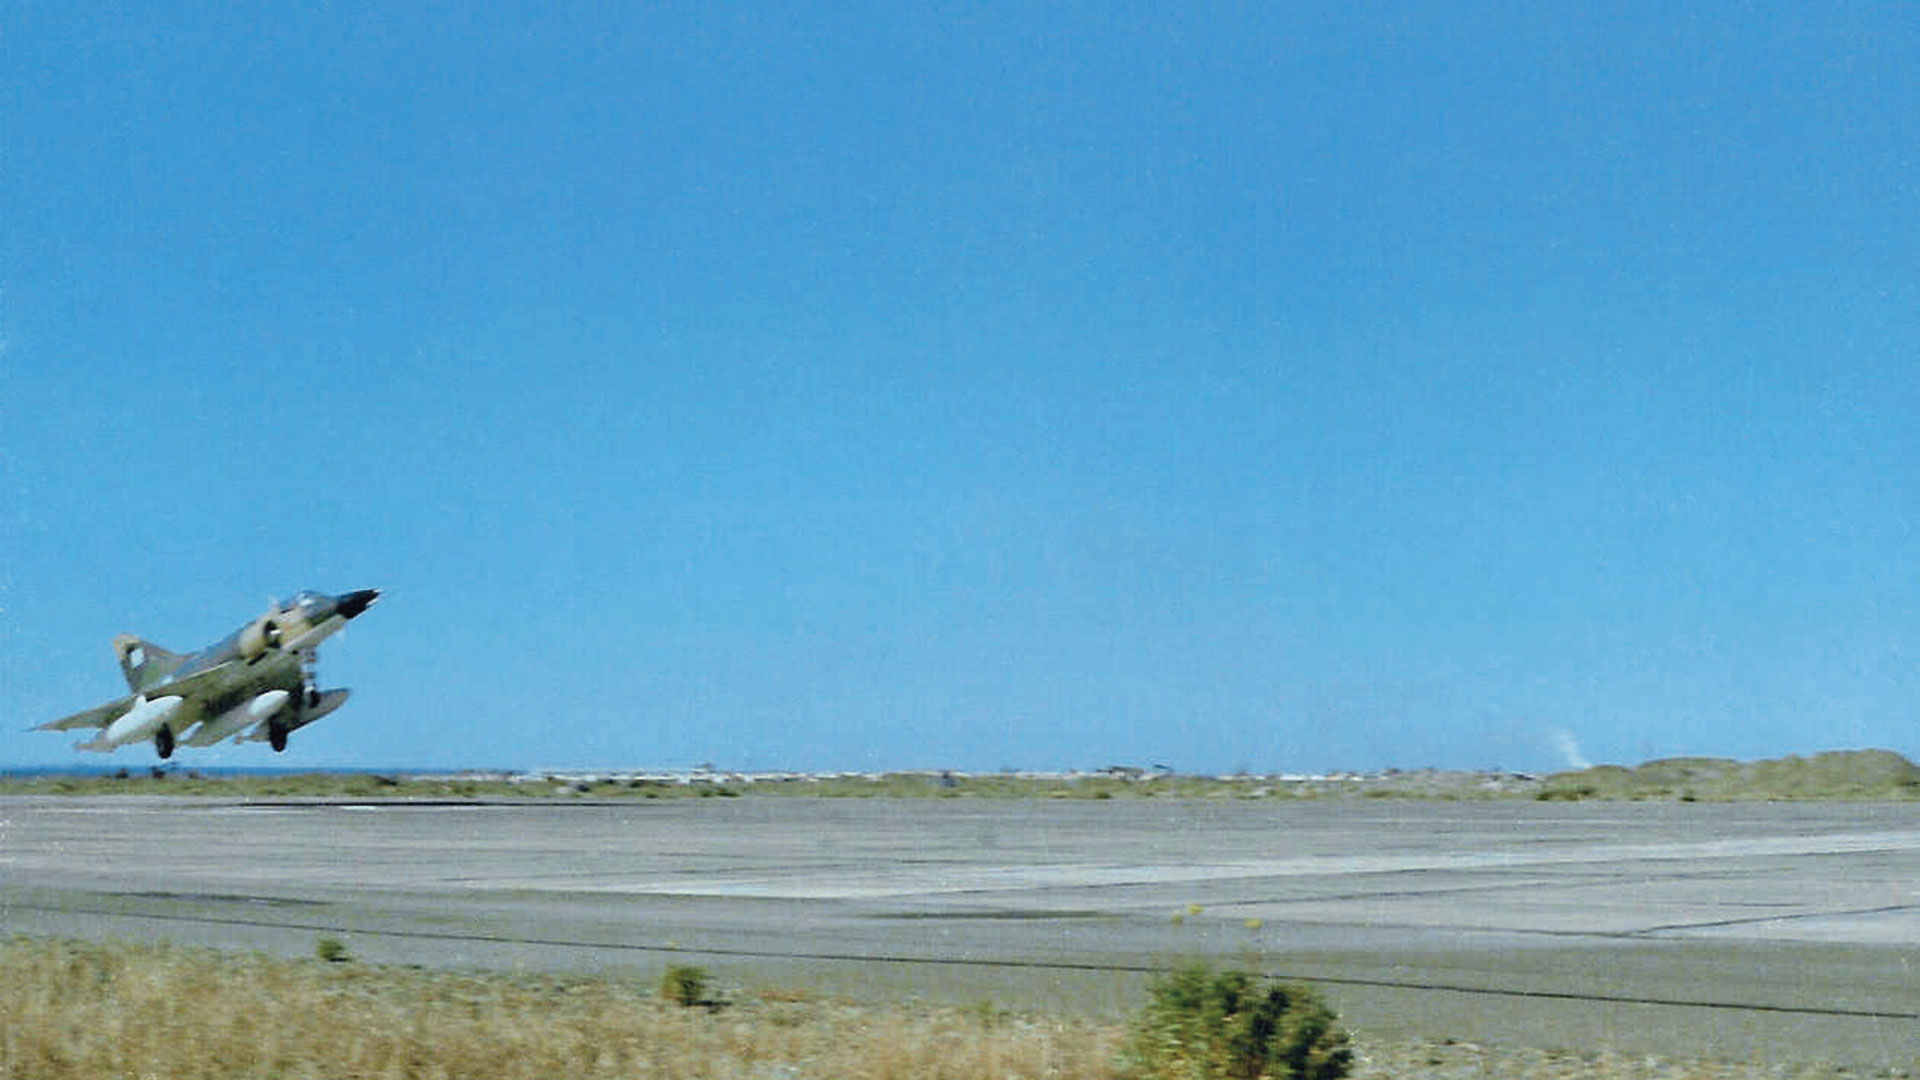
x=163 y=742
x=277 y=737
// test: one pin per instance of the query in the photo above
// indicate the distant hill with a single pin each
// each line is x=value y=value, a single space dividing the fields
x=1837 y=774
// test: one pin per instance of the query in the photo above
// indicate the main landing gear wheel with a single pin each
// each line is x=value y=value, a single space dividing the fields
x=163 y=742
x=277 y=735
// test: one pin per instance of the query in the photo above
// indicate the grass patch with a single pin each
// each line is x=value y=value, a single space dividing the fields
x=74 y=1011
x=1840 y=774
x=1095 y=786
x=1853 y=774
x=79 y=1011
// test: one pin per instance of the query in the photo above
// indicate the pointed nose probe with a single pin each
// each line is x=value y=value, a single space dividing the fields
x=356 y=602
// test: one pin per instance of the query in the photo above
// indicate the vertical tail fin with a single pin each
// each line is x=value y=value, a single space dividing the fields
x=142 y=662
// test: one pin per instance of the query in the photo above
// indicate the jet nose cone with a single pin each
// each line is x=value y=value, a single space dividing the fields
x=354 y=603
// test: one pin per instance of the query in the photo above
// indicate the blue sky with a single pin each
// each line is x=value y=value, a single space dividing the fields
x=1277 y=386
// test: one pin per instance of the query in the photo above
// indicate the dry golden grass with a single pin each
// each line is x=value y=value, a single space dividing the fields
x=91 y=1011
x=83 y=1011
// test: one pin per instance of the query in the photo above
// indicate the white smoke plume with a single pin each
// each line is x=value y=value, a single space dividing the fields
x=1569 y=748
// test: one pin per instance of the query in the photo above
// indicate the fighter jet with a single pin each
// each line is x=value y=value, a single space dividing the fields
x=257 y=684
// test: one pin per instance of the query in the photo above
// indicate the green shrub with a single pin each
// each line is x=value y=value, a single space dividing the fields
x=332 y=950
x=1554 y=792
x=684 y=983
x=1202 y=1025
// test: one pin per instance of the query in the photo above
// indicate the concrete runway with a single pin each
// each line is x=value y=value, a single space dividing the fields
x=1769 y=931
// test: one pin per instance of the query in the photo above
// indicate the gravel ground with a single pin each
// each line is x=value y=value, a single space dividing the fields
x=1467 y=1061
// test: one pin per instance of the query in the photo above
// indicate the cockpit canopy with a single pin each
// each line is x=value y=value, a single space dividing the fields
x=306 y=601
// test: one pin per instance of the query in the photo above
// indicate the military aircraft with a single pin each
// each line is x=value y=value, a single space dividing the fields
x=256 y=684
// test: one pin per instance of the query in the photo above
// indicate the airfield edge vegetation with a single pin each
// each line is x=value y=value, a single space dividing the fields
x=74 y=1010
x=1836 y=775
